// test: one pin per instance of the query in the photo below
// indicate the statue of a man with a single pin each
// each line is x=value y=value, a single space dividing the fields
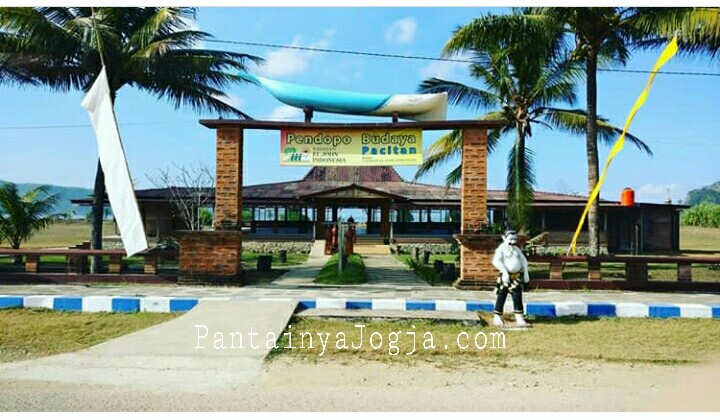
x=513 y=267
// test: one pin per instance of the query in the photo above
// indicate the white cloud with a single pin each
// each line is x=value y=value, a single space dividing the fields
x=285 y=113
x=288 y=62
x=401 y=31
x=656 y=192
x=441 y=69
x=446 y=69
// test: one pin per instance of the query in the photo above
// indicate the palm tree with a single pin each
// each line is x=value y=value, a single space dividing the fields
x=21 y=215
x=609 y=34
x=153 y=49
x=525 y=74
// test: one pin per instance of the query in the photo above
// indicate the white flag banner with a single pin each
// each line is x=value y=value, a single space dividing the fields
x=119 y=186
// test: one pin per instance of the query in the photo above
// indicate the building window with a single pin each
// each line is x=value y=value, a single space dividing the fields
x=439 y=215
x=282 y=212
x=264 y=214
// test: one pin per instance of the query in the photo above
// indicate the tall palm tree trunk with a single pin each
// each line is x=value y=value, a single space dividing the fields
x=98 y=210
x=592 y=154
x=518 y=183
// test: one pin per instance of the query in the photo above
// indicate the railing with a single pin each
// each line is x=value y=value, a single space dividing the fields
x=76 y=262
x=636 y=272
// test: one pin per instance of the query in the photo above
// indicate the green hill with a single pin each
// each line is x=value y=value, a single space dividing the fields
x=66 y=194
x=707 y=194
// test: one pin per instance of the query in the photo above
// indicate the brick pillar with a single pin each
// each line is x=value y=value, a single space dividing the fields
x=684 y=272
x=474 y=178
x=476 y=249
x=216 y=256
x=228 y=178
x=213 y=256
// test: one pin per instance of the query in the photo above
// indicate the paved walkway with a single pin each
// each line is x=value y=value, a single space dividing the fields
x=386 y=270
x=303 y=275
x=383 y=272
x=178 y=355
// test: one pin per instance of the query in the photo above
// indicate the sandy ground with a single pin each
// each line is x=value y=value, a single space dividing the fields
x=288 y=384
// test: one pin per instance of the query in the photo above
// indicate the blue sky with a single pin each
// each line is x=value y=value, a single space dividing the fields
x=679 y=121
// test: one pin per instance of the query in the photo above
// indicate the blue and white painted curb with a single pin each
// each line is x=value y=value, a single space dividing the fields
x=545 y=309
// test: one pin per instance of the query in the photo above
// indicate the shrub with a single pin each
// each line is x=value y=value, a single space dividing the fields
x=702 y=215
x=353 y=272
x=426 y=272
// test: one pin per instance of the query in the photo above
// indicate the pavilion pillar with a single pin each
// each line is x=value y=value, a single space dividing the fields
x=320 y=219
x=476 y=249
x=385 y=219
x=217 y=255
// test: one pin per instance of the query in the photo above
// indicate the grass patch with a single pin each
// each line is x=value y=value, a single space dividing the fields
x=32 y=333
x=699 y=240
x=427 y=271
x=249 y=259
x=62 y=234
x=353 y=272
x=618 y=340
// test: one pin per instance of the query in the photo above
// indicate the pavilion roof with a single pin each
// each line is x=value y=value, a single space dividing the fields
x=382 y=179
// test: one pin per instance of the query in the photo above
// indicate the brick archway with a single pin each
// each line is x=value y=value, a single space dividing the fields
x=217 y=254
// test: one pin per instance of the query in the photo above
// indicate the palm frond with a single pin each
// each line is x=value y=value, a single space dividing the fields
x=21 y=215
x=459 y=94
x=443 y=149
x=575 y=121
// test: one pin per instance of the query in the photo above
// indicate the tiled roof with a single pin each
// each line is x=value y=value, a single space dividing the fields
x=379 y=178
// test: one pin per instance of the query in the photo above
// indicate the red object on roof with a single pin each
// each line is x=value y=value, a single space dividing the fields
x=627 y=197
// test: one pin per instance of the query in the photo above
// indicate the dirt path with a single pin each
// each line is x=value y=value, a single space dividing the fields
x=289 y=384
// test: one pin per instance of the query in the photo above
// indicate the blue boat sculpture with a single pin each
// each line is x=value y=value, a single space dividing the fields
x=419 y=107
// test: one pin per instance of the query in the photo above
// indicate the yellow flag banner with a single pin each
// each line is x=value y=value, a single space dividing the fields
x=666 y=55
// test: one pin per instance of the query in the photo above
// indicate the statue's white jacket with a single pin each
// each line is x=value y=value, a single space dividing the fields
x=509 y=259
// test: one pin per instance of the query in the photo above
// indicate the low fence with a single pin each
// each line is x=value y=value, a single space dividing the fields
x=630 y=272
x=548 y=272
x=72 y=265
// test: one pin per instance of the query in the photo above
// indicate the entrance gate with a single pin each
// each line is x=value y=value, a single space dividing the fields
x=216 y=254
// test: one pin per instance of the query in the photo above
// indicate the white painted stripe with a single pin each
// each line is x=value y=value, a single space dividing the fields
x=450 y=305
x=389 y=304
x=277 y=299
x=330 y=303
x=694 y=310
x=632 y=310
x=97 y=304
x=39 y=301
x=571 y=308
x=155 y=304
x=213 y=298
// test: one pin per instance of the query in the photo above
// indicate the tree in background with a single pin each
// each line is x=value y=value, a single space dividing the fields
x=602 y=35
x=526 y=73
x=191 y=190
x=21 y=215
x=153 y=49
